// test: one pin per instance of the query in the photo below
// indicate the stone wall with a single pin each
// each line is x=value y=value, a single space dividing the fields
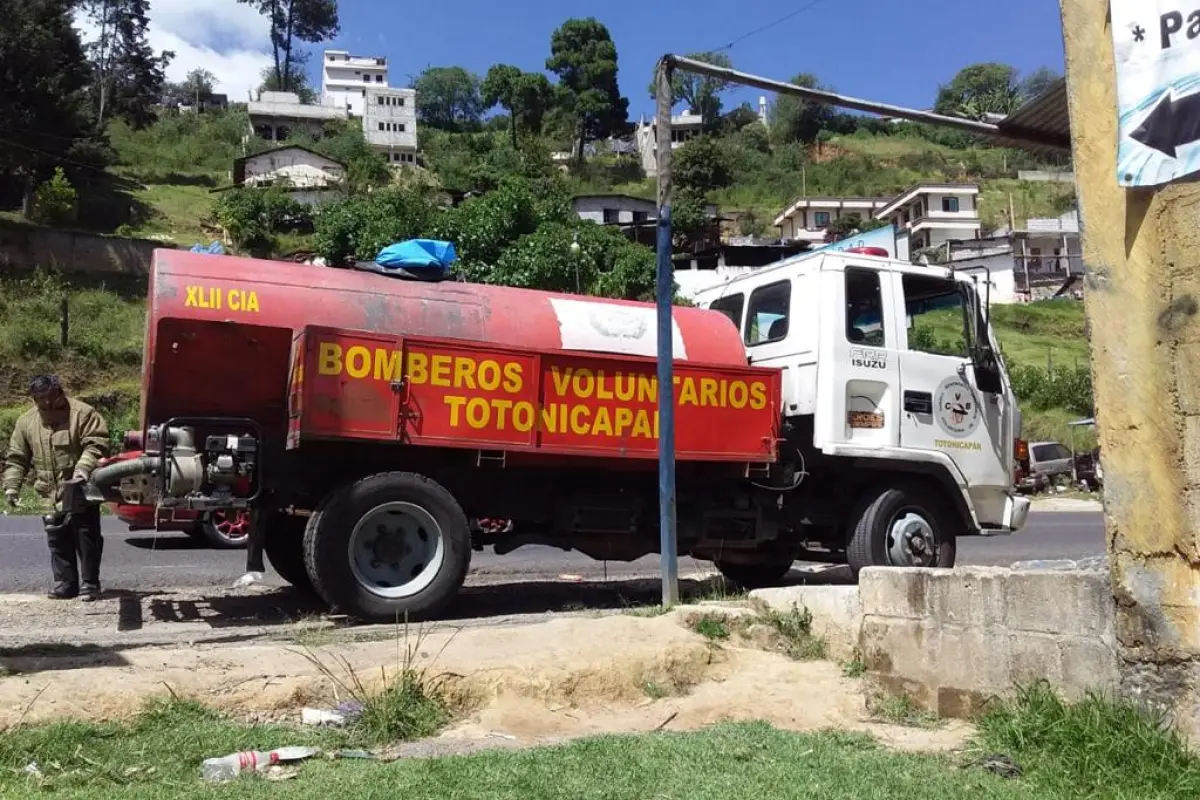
x=24 y=247
x=953 y=639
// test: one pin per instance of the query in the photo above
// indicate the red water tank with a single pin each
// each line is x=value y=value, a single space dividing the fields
x=870 y=251
x=220 y=328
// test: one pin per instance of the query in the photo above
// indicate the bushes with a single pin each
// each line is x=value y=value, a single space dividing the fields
x=54 y=201
x=253 y=217
x=1055 y=386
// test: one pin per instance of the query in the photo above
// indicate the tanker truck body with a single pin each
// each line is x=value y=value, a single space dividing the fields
x=370 y=422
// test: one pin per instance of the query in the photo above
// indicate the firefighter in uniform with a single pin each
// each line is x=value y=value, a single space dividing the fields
x=60 y=440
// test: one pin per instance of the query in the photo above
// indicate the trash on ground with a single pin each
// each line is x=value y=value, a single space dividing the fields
x=321 y=716
x=230 y=766
x=363 y=754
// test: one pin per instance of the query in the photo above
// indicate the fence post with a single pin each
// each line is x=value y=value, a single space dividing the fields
x=64 y=321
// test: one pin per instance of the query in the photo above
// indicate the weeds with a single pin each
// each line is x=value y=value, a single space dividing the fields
x=411 y=703
x=900 y=710
x=854 y=668
x=793 y=632
x=713 y=627
x=1092 y=746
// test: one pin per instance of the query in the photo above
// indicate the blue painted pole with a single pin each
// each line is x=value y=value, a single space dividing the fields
x=664 y=294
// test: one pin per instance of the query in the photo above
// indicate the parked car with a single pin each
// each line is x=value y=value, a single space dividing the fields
x=226 y=530
x=1052 y=459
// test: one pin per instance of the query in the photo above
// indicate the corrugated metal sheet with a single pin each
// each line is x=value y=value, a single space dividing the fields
x=1043 y=124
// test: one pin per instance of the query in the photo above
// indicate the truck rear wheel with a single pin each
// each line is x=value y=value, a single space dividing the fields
x=900 y=526
x=392 y=544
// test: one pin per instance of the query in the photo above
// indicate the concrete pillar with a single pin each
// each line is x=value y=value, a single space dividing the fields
x=1141 y=255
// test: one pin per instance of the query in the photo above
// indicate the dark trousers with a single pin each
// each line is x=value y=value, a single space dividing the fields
x=77 y=537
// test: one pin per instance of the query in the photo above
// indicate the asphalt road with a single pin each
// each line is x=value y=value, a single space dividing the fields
x=146 y=561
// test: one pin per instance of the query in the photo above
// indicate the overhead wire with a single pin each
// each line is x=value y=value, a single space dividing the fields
x=762 y=28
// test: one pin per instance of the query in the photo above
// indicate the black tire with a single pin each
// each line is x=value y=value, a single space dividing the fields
x=755 y=576
x=283 y=545
x=328 y=539
x=870 y=527
x=212 y=531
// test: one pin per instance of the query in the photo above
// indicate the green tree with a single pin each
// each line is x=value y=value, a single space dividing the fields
x=252 y=217
x=292 y=21
x=198 y=83
x=448 y=98
x=130 y=76
x=54 y=201
x=978 y=89
x=584 y=57
x=702 y=165
x=1037 y=82
x=44 y=76
x=700 y=92
x=296 y=80
x=526 y=96
x=793 y=119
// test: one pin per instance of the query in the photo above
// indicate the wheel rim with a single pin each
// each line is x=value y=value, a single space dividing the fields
x=911 y=541
x=396 y=550
x=235 y=528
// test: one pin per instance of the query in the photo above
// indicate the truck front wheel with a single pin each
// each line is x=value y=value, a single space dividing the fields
x=387 y=546
x=903 y=526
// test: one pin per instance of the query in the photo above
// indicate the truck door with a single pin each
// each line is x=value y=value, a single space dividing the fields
x=943 y=409
x=858 y=375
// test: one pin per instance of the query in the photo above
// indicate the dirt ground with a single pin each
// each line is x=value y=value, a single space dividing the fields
x=521 y=684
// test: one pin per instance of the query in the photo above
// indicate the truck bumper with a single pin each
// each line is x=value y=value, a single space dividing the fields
x=1016 y=512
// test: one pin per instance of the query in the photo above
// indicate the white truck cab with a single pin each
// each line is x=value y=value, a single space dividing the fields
x=897 y=406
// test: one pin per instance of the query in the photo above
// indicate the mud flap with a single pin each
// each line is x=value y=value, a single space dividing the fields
x=255 y=567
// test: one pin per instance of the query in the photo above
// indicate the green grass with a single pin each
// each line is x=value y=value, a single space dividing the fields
x=1095 y=749
x=179 y=213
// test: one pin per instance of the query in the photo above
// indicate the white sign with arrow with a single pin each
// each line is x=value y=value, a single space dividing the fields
x=1157 y=48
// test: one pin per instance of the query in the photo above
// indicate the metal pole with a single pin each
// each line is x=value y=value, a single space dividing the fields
x=843 y=101
x=663 y=295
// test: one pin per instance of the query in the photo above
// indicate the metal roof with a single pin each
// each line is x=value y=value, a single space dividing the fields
x=1043 y=124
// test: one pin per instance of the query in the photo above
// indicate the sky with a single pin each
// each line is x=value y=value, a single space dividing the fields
x=894 y=51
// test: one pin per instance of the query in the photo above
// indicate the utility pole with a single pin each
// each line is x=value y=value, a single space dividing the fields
x=664 y=294
x=1142 y=275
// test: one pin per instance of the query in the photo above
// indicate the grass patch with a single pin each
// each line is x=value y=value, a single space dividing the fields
x=900 y=710
x=787 y=632
x=854 y=668
x=409 y=703
x=1094 y=748
x=180 y=211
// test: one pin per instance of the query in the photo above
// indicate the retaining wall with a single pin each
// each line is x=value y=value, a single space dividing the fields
x=953 y=639
x=24 y=247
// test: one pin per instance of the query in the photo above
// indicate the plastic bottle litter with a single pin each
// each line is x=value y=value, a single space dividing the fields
x=321 y=716
x=230 y=766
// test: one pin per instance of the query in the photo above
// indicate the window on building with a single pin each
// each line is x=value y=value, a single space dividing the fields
x=382 y=127
x=400 y=127
x=641 y=216
x=366 y=78
x=400 y=101
x=380 y=100
x=936 y=316
x=731 y=306
x=950 y=205
x=379 y=79
x=767 y=313
x=611 y=215
x=364 y=92
x=864 y=307
x=1035 y=257
x=820 y=220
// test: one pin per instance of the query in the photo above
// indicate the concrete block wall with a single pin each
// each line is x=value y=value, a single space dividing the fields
x=953 y=639
x=28 y=246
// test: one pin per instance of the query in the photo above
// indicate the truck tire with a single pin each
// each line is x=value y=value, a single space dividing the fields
x=283 y=546
x=900 y=526
x=755 y=576
x=225 y=530
x=389 y=545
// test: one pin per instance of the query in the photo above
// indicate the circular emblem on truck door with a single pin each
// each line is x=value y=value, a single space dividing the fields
x=955 y=408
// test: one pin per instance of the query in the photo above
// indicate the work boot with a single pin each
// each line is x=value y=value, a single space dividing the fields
x=62 y=593
x=90 y=594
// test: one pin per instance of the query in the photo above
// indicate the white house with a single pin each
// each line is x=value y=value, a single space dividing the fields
x=684 y=126
x=307 y=176
x=614 y=209
x=807 y=218
x=1040 y=260
x=275 y=115
x=345 y=79
x=390 y=123
x=931 y=214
